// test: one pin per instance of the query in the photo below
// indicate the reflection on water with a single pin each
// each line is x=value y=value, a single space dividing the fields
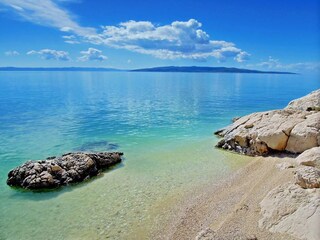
x=163 y=122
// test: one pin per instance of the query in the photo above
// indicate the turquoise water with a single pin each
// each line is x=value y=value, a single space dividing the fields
x=163 y=122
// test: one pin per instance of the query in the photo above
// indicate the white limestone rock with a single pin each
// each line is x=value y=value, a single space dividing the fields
x=305 y=135
x=260 y=133
x=293 y=129
x=309 y=102
x=308 y=177
x=293 y=210
x=310 y=158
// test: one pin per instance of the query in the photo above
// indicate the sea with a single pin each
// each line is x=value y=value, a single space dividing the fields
x=162 y=122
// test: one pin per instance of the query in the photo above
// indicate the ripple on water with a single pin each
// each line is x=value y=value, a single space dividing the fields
x=162 y=122
x=122 y=203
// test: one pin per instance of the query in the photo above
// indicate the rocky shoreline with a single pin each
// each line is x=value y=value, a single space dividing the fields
x=293 y=129
x=292 y=207
x=58 y=171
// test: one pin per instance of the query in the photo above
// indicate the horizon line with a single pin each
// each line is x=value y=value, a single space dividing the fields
x=188 y=69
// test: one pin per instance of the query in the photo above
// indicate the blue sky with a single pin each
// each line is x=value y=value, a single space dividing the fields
x=269 y=35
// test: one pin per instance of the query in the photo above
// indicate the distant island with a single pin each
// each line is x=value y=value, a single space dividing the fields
x=195 y=69
x=190 y=69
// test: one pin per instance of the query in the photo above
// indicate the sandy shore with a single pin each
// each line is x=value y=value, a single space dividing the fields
x=229 y=209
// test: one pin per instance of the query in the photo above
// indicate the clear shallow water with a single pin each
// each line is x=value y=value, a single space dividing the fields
x=163 y=122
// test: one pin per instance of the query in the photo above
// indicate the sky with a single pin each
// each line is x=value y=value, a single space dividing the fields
x=130 y=34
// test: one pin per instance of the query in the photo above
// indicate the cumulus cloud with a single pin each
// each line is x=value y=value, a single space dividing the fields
x=92 y=55
x=47 y=13
x=176 y=40
x=180 y=39
x=49 y=54
x=11 y=53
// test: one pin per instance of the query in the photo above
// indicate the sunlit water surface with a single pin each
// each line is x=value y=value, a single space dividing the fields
x=163 y=122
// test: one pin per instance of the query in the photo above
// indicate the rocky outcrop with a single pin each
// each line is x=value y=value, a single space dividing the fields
x=311 y=102
x=310 y=158
x=293 y=210
x=291 y=129
x=57 y=171
x=305 y=135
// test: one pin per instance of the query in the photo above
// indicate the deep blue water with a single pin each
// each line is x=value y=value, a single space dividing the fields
x=49 y=113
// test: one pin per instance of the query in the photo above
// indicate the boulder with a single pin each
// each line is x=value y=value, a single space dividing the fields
x=57 y=171
x=293 y=210
x=260 y=133
x=305 y=135
x=290 y=129
x=310 y=158
x=308 y=177
x=311 y=102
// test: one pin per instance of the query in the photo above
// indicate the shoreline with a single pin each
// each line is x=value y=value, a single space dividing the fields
x=229 y=209
x=274 y=196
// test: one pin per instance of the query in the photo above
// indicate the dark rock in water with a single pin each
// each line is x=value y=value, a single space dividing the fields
x=98 y=145
x=57 y=171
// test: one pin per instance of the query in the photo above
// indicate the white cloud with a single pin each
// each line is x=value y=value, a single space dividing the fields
x=313 y=66
x=12 y=53
x=177 y=40
x=92 y=54
x=275 y=64
x=180 y=39
x=48 y=54
x=242 y=56
x=271 y=63
x=71 y=39
x=47 y=13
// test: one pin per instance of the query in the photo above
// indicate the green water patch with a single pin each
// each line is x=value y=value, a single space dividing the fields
x=119 y=204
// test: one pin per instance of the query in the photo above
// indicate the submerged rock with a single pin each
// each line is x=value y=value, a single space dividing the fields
x=57 y=171
x=97 y=145
x=291 y=129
